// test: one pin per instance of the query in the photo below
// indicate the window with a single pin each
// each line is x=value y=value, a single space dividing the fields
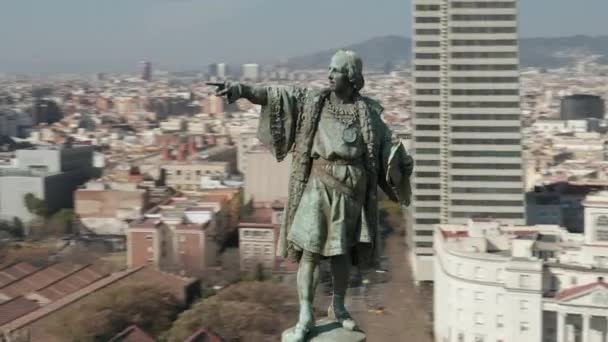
x=524 y=326
x=479 y=296
x=476 y=104
x=178 y=172
x=182 y=238
x=427 y=79
x=499 y=298
x=466 y=55
x=486 y=142
x=427 y=68
x=424 y=244
x=500 y=321
x=524 y=305
x=428 y=32
x=488 y=166
x=478 y=319
x=485 y=67
x=427 y=43
x=482 y=17
x=479 y=338
x=485 y=191
x=511 y=29
x=427 y=162
x=427 y=151
x=508 y=117
x=524 y=281
x=427 y=209
x=427 y=174
x=427 y=55
x=479 y=273
x=427 y=127
x=482 y=129
x=573 y=281
x=148 y=236
x=484 y=42
x=428 y=91
x=493 y=154
x=485 y=79
x=149 y=249
x=424 y=186
x=427 y=20
x=487 y=178
x=424 y=233
x=500 y=275
x=483 y=92
x=482 y=4
x=427 y=116
x=427 y=7
x=423 y=198
x=427 y=104
x=487 y=203
x=459 y=214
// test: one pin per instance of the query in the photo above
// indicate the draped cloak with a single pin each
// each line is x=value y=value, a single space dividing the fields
x=288 y=124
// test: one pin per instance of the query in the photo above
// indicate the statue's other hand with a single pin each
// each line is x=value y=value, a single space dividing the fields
x=232 y=90
x=221 y=88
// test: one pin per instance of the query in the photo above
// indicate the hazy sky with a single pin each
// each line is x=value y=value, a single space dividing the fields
x=97 y=35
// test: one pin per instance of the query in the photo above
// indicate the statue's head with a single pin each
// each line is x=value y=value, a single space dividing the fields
x=346 y=70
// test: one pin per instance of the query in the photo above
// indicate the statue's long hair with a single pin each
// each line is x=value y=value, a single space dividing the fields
x=354 y=67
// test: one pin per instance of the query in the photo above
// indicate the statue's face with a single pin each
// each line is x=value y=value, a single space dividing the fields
x=338 y=74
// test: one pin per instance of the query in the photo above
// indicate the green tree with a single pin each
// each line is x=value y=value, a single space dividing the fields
x=61 y=222
x=107 y=313
x=35 y=205
x=250 y=311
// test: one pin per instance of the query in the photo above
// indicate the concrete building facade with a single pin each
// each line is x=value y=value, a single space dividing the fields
x=499 y=282
x=467 y=135
x=266 y=180
x=51 y=174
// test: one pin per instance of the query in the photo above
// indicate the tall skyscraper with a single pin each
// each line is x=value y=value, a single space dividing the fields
x=146 y=73
x=467 y=133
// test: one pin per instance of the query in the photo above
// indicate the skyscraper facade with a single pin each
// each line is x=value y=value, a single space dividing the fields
x=467 y=133
x=146 y=73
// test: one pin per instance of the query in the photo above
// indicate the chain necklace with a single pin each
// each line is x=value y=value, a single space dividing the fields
x=346 y=117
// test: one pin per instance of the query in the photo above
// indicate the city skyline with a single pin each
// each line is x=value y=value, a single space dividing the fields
x=86 y=36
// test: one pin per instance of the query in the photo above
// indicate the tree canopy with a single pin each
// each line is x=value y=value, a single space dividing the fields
x=110 y=311
x=247 y=311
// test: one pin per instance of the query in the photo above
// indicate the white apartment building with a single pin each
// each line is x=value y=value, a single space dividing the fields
x=467 y=132
x=496 y=282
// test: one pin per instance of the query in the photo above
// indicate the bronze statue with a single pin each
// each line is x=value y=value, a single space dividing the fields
x=341 y=152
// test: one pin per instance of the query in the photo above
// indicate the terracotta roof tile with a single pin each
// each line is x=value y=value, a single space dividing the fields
x=38 y=280
x=15 y=272
x=132 y=334
x=573 y=291
x=15 y=308
x=204 y=335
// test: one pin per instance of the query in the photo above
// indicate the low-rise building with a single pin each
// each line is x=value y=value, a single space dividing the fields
x=49 y=173
x=258 y=238
x=498 y=282
x=106 y=208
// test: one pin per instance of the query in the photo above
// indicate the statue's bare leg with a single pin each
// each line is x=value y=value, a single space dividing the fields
x=308 y=277
x=340 y=270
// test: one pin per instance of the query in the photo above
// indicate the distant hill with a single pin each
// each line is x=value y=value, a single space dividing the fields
x=538 y=52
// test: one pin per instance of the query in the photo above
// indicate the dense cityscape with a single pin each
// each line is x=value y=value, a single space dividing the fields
x=142 y=207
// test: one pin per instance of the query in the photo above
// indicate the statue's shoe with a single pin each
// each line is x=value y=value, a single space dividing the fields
x=301 y=330
x=343 y=317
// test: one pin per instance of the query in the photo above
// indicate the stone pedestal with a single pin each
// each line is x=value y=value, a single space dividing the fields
x=327 y=330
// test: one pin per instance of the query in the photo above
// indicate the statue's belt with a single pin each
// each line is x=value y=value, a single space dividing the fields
x=330 y=181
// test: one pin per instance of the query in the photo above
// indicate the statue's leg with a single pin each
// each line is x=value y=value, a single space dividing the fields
x=308 y=276
x=340 y=271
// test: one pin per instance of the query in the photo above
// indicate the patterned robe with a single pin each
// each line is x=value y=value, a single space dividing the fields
x=288 y=124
